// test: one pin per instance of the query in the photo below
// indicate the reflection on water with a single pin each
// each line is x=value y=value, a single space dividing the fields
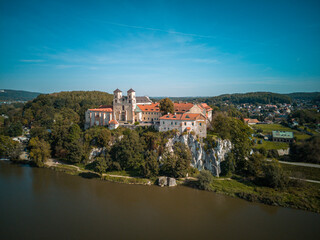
x=45 y=204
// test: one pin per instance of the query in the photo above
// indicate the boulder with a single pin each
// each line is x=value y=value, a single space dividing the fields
x=171 y=182
x=162 y=181
x=167 y=181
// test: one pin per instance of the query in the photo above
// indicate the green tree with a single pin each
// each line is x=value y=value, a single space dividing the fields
x=205 y=179
x=101 y=164
x=166 y=106
x=7 y=146
x=274 y=176
x=129 y=151
x=39 y=151
x=150 y=167
x=74 y=151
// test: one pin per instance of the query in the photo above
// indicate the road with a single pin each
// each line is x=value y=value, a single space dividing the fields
x=301 y=164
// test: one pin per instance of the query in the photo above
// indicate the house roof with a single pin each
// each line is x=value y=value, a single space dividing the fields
x=117 y=90
x=183 y=117
x=113 y=121
x=101 y=109
x=154 y=107
x=131 y=90
x=182 y=107
x=205 y=106
x=250 y=120
x=282 y=134
x=143 y=100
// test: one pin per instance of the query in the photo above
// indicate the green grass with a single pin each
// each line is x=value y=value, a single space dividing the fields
x=304 y=197
x=268 y=145
x=142 y=181
x=65 y=168
x=268 y=128
x=302 y=172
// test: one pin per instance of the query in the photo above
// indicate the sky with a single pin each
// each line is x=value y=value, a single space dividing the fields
x=160 y=48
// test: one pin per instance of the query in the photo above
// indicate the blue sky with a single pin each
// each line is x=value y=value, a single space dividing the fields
x=160 y=48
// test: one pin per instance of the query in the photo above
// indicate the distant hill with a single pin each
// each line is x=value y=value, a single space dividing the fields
x=17 y=95
x=304 y=95
x=251 y=97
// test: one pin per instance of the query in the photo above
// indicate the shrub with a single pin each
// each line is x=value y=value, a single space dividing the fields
x=274 y=176
x=205 y=179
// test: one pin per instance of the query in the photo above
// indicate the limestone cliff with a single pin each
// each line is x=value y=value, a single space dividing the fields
x=203 y=158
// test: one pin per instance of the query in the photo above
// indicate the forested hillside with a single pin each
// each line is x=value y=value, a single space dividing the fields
x=14 y=95
x=252 y=98
x=304 y=95
x=64 y=107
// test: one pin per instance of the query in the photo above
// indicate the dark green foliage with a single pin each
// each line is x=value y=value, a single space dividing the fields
x=15 y=95
x=15 y=129
x=101 y=165
x=306 y=151
x=166 y=106
x=150 y=167
x=265 y=173
x=39 y=151
x=74 y=151
x=205 y=179
x=129 y=151
x=7 y=146
x=274 y=176
x=306 y=116
x=64 y=107
x=238 y=133
x=177 y=164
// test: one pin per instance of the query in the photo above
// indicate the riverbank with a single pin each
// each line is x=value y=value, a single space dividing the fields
x=304 y=195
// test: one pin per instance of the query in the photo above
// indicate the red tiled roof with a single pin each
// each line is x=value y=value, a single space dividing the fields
x=182 y=107
x=249 y=120
x=113 y=121
x=154 y=107
x=105 y=106
x=101 y=109
x=205 y=106
x=183 y=117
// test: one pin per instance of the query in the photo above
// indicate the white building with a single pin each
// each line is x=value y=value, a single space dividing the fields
x=187 y=122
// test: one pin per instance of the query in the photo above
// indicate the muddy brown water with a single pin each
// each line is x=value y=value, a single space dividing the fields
x=43 y=204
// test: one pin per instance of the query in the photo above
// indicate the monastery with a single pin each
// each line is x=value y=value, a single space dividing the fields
x=131 y=109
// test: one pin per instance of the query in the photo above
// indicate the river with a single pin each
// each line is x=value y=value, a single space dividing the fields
x=44 y=204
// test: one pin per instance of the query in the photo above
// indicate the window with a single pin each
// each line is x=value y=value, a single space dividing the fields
x=171 y=123
x=175 y=123
x=200 y=124
x=115 y=101
x=123 y=107
x=185 y=123
x=192 y=124
x=129 y=101
x=163 y=122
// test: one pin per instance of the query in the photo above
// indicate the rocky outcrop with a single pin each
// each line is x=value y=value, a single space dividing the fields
x=203 y=158
x=167 y=181
x=283 y=152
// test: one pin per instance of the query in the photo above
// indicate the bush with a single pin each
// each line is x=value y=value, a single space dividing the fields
x=274 y=176
x=205 y=179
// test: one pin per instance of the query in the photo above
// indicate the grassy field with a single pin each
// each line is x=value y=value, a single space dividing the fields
x=268 y=145
x=268 y=128
x=304 y=197
x=302 y=172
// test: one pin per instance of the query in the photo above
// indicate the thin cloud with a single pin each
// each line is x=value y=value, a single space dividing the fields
x=160 y=30
x=31 y=60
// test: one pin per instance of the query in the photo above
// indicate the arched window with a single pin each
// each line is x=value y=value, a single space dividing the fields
x=122 y=107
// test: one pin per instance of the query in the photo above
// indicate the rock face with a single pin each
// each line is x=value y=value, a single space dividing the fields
x=167 y=181
x=283 y=152
x=209 y=159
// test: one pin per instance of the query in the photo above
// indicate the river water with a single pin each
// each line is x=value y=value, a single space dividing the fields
x=43 y=204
